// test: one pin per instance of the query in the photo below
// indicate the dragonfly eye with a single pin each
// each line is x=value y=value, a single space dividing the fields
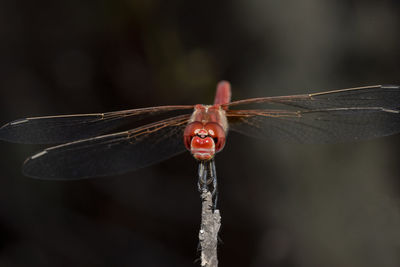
x=219 y=143
x=216 y=132
x=191 y=130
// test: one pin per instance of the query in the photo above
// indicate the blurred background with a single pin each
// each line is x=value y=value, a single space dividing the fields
x=282 y=205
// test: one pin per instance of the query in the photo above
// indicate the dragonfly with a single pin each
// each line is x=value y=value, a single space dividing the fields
x=90 y=145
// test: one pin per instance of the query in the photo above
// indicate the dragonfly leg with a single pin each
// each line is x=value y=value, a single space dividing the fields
x=214 y=181
x=206 y=175
x=202 y=179
x=207 y=179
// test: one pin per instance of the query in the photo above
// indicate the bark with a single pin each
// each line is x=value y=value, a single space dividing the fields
x=208 y=235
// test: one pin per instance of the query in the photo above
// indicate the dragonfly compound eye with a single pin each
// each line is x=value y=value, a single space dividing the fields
x=217 y=133
x=190 y=132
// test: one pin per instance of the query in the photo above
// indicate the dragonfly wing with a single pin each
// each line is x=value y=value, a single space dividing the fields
x=110 y=154
x=333 y=125
x=59 y=129
x=385 y=96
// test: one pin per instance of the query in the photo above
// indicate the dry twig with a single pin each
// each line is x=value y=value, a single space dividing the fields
x=208 y=235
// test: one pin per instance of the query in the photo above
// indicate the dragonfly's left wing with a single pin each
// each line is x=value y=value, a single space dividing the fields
x=67 y=128
x=110 y=154
x=333 y=125
x=385 y=96
x=327 y=117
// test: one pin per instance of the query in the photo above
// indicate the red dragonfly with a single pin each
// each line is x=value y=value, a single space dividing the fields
x=89 y=148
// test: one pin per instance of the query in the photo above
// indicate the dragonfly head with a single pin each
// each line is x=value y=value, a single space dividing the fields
x=204 y=140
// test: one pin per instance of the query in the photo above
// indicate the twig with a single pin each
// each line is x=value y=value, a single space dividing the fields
x=208 y=235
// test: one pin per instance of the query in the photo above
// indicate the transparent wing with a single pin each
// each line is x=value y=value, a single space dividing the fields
x=331 y=125
x=110 y=154
x=66 y=128
x=385 y=96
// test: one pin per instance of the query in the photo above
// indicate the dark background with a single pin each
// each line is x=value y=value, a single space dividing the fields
x=282 y=205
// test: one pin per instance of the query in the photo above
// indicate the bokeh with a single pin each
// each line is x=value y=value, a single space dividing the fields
x=282 y=205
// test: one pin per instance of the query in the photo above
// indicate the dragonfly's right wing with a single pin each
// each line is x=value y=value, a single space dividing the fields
x=66 y=128
x=110 y=154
